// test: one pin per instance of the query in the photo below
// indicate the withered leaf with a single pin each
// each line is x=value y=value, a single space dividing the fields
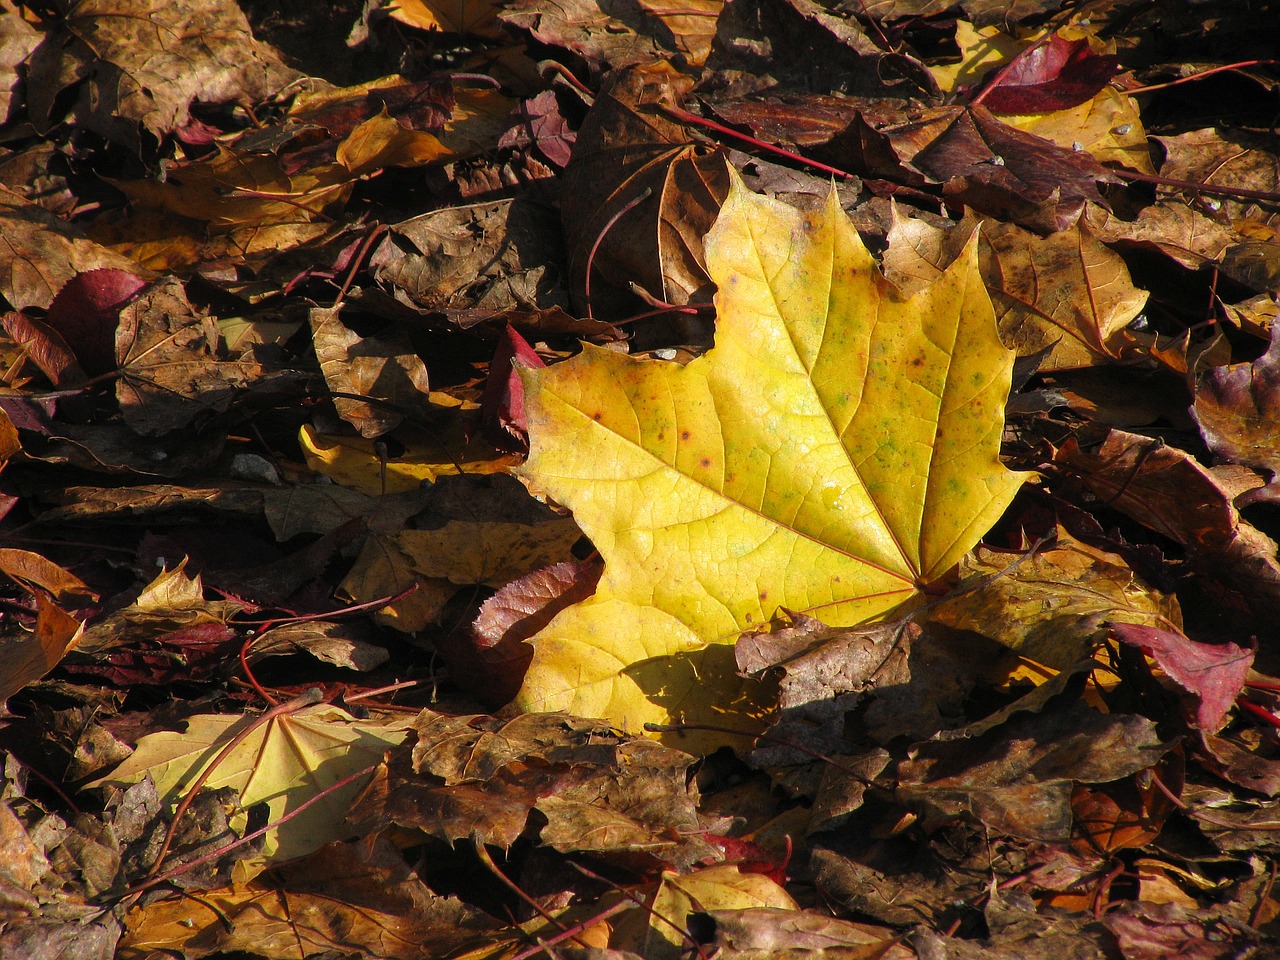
x=1238 y=410
x=595 y=789
x=172 y=365
x=638 y=194
x=382 y=367
x=1002 y=171
x=1165 y=489
x=139 y=65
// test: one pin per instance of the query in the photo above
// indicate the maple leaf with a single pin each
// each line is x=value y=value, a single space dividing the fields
x=284 y=763
x=834 y=453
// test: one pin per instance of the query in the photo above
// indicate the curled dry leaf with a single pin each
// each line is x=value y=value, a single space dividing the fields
x=491 y=659
x=134 y=63
x=639 y=195
x=1237 y=408
x=382 y=368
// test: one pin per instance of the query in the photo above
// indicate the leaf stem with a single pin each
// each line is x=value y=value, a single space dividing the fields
x=684 y=116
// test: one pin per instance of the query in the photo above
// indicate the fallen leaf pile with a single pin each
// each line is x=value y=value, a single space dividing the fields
x=587 y=479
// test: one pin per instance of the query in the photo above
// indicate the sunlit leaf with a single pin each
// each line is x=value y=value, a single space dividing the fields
x=835 y=452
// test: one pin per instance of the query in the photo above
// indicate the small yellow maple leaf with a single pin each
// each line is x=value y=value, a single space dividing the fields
x=834 y=453
x=283 y=763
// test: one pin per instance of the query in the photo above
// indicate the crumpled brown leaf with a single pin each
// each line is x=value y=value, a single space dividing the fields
x=639 y=195
x=483 y=778
x=172 y=363
x=141 y=65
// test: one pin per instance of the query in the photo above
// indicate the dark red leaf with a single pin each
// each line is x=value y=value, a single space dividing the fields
x=1007 y=173
x=85 y=313
x=46 y=348
x=1214 y=673
x=502 y=409
x=1053 y=76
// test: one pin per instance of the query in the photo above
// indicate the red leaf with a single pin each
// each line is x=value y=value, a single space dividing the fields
x=491 y=661
x=1214 y=673
x=502 y=409
x=751 y=857
x=46 y=348
x=1053 y=76
x=85 y=313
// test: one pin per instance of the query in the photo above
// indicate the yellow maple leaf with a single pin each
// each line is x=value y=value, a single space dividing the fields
x=284 y=763
x=834 y=453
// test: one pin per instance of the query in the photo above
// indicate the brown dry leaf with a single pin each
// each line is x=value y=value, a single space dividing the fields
x=758 y=932
x=801 y=45
x=1128 y=813
x=383 y=368
x=690 y=23
x=233 y=188
x=495 y=256
x=821 y=674
x=172 y=365
x=1017 y=930
x=33 y=570
x=30 y=654
x=1017 y=777
x=1154 y=931
x=43 y=346
x=1066 y=293
x=604 y=33
x=1237 y=408
x=344 y=645
x=17 y=40
x=1051 y=606
x=55 y=871
x=138 y=64
x=40 y=253
x=596 y=790
x=382 y=571
x=642 y=191
x=10 y=444
x=1166 y=490
x=261 y=192
x=1183 y=234
x=462 y=553
x=344 y=897
x=1223 y=158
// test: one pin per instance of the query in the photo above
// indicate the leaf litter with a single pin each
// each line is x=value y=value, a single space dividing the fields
x=499 y=507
